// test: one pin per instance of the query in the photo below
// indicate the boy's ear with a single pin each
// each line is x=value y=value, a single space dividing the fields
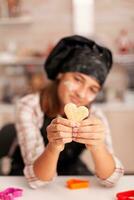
x=59 y=76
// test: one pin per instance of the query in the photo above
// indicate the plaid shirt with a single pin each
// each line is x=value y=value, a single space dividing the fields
x=29 y=120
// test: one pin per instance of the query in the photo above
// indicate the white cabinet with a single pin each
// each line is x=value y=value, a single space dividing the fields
x=7 y=114
x=121 y=121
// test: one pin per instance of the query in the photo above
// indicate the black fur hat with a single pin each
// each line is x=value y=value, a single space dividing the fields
x=79 y=54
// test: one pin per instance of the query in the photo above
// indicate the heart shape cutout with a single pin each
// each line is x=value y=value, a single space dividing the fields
x=75 y=113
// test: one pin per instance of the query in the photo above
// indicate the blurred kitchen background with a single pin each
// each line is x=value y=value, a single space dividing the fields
x=30 y=29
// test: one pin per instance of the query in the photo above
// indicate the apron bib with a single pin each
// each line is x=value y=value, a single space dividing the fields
x=69 y=162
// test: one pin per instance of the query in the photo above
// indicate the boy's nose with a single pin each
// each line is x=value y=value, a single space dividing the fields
x=82 y=93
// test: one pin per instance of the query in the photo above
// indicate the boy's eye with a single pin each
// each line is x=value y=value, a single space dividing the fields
x=93 y=90
x=77 y=78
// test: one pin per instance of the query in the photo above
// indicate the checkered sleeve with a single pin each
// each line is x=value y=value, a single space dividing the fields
x=29 y=137
x=119 y=169
x=117 y=174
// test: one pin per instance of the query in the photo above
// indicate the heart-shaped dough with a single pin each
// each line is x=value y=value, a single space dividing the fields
x=75 y=113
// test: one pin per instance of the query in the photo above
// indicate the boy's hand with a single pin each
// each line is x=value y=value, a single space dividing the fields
x=59 y=132
x=91 y=132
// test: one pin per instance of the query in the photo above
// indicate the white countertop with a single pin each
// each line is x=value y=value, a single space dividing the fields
x=58 y=191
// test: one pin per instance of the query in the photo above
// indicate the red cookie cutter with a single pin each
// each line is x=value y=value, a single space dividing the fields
x=126 y=195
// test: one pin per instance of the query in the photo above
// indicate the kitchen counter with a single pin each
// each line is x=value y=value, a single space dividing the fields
x=58 y=190
x=8 y=59
x=116 y=106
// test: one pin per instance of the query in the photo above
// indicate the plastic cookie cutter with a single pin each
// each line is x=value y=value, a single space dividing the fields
x=11 y=193
x=77 y=184
x=126 y=195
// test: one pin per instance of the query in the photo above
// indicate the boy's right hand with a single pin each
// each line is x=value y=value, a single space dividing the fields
x=59 y=132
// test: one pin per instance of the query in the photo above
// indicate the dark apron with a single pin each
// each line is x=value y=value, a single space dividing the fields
x=69 y=162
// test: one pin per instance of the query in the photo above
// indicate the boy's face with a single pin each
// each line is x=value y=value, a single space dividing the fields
x=77 y=88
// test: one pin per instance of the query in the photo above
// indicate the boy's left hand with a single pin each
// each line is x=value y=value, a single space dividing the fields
x=90 y=132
